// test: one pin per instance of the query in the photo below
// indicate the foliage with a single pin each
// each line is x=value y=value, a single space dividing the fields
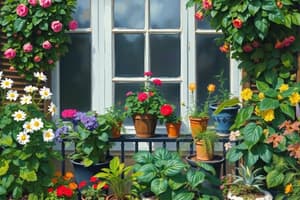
x=114 y=116
x=36 y=33
x=62 y=187
x=208 y=137
x=146 y=101
x=90 y=134
x=120 y=178
x=26 y=142
x=168 y=114
x=168 y=177
x=94 y=189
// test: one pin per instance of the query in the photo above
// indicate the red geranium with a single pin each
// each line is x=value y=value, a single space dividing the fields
x=237 y=23
x=142 y=96
x=68 y=113
x=148 y=74
x=157 y=82
x=93 y=179
x=166 y=110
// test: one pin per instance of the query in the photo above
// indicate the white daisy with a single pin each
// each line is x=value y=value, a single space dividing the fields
x=48 y=135
x=45 y=93
x=27 y=127
x=19 y=115
x=40 y=76
x=26 y=99
x=12 y=95
x=23 y=138
x=1 y=75
x=36 y=124
x=52 y=108
x=30 y=89
x=6 y=83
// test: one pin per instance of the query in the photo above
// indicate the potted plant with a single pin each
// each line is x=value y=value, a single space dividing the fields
x=246 y=185
x=93 y=189
x=26 y=141
x=199 y=117
x=171 y=120
x=166 y=175
x=144 y=106
x=115 y=118
x=205 y=144
x=120 y=179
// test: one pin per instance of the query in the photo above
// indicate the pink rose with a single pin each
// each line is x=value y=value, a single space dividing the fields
x=142 y=96
x=32 y=2
x=47 y=45
x=22 y=10
x=148 y=74
x=50 y=61
x=157 y=82
x=10 y=53
x=27 y=47
x=56 y=26
x=37 y=59
x=68 y=113
x=129 y=93
x=45 y=3
x=73 y=25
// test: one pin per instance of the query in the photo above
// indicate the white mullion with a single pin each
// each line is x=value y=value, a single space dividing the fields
x=81 y=30
x=147 y=37
x=142 y=79
x=204 y=31
x=163 y=31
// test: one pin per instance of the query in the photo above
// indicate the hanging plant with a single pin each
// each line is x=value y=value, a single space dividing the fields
x=36 y=33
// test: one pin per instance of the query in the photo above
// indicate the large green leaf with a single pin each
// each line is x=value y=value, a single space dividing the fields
x=159 y=185
x=6 y=140
x=251 y=158
x=243 y=115
x=262 y=86
x=4 y=166
x=148 y=173
x=206 y=167
x=143 y=157
x=177 y=182
x=254 y=6
x=195 y=177
x=252 y=133
x=274 y=178
x=296 y=18
x=234 y=154
x=263 y=26
x=2 y=190
x=173 y=167
x=184 y=196
x=288 y=110
x=19 y=24
x=28 y=175
x=268 y=103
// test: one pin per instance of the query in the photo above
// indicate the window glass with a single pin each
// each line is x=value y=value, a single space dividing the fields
x=203 y=24
x=165 y=54
x=83 y=13
x=165 y=14
x=75 y=74
x=171 y=92
x=129 y=13
x=129 y=55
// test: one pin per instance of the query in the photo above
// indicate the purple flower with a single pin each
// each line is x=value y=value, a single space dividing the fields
x=89 y=122
x=61 y=131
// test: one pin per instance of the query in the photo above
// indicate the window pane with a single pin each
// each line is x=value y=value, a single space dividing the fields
x=210 y=62
x=165 y=14
x=83 y=13
x=75 y=74
x=171 y=92
x=203 y=24
x=129 y=55
x=129 y=13
x=165 y=54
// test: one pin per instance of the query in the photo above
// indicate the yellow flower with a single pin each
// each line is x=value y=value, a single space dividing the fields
x=261 y=96
x=279 y=97
x=268 y=115
x=295 y=98
x=257 y=111
x=266 y=132
x=247 y=94
x=288 y=188
x=283 y=87
x=192 y=87
x=211 y=88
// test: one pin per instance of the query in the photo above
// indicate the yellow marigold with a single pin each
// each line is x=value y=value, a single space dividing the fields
x=192 y=87
x=283 y=87
x=68 y=175
x=268 y=115
x=261 y=96
x=73 y=186
x=288 y=188
x=211 y=88
x=247 y=94
x=295 y=98
x=279 y=97
x=257 y=111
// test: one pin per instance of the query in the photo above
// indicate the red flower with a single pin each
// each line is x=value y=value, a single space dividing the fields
x=224 y=48
x=237 y=23
x=199 y=15
x=279 y=45
x=148 y=74
x=207 y=4
x=60 y=191
x=82 y=184
x=255 y=44
x=68 y=192
x=105 y=187
x=95 y=186
x=157 y=82
x=68 y=113
x=142 y=96
x=50 y=190
x=93 y=179
x=247 y=48
x=166 y=110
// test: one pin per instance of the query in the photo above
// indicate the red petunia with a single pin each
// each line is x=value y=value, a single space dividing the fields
x=142 y=96
x=68 y=192
x=95 y=186
x=166 y=110
x=93 y=179
x=60 y=191
x=237 y=23
x=50 y=190
x=82 y=184
x=105 y=187
x=207 y=4
x=157 y=82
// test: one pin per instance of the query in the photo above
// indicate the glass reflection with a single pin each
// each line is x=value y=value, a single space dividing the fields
x=129 y=55
x=165 y=14
x=75 y=74
x=165 y=54
x=83 y=13
x=129 y=13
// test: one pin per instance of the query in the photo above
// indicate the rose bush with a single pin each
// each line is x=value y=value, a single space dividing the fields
x=36 y=33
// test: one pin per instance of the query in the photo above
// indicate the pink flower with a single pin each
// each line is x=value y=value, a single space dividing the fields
x=68 y=113
x=255 y=44
x=148 y=74
x=142 y=96
x=247 y=48
x=129 y=93
x=22 y=10
x=199 y=15
x=27 y=47
x=37 y=59
x=32 y=2
x=237 y=23
x=10 y=53
x=56 y=26
x=157 y=82
x=73 y=25
x=207 y=4
x=45 y=3
x=166 y=110
x=288 y=41
x=50 y=61
x=47 y=45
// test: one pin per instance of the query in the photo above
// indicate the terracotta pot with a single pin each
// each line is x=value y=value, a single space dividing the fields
x=112 y=197
x=202 y=152
x=173 y=129
x=144 y=125
x=198 y=125
x=116 y=130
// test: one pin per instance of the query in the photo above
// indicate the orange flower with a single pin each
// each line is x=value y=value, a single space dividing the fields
x=211 y=88
x=54 y=180
x=288 y=188
x=275 y=139
x=68 y=175
x=57 y=174
x=294 y=150
x=73 y=186
x=192 y=87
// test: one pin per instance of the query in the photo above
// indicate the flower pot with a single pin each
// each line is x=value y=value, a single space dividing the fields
x=198 y=125
x=202 y=151
x=144 y=125
x=112 y=197
x=148 y=196
x=173 y=129
x=224 y=120
x=264 y=196
x=116 y=130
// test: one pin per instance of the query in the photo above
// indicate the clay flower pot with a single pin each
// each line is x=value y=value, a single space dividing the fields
x=202 y=151
x=144 y=125
x=173 y=129
x=198 y=125
x=116 y=130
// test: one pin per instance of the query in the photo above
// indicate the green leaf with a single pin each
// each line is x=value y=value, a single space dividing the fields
x=206 y=167
x=7 y=181
x=6 y=140
x=243 y=115
x=296 y=18
x=2 y=190
x=267 y=104
x=177 y=182
x=254 y=7
x=288 y=177
x=251 y=158
x=159 y=185
x=265 y=154
x=234 y=154
x=19 y=24
x=226 y=104
x=33 y=197
x=195 y=177
x=28 y=175
x=287 y=59
x=148 y=173
x=262 y=86
x=184 y=196
x=87 y=162
x=274 y=178
x=288 y=110
x=262 y=25
x=173 y=167
x=143 y=157
x=17 y=192
x=4 y=166
x=252 y=133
